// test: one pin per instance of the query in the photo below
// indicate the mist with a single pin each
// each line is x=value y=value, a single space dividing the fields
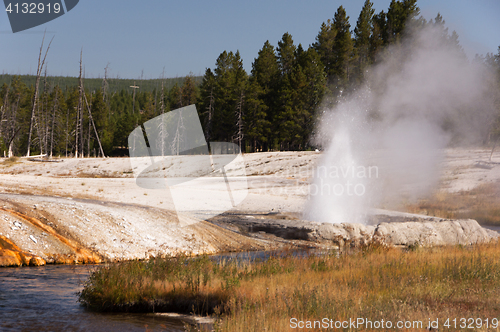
x=385 y=141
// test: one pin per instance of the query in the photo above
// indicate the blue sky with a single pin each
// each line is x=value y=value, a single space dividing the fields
x=146 y=37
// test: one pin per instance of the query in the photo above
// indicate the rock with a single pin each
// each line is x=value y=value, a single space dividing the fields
x=345 y=234
x=12 y=255
x=32 y=238
x=10 y=258
x=36 y=261
x=421 y=231
x=446 y=232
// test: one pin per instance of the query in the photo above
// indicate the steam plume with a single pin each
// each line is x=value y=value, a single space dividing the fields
x=424 y=96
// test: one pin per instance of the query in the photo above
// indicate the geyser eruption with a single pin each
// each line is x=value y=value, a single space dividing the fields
x=338 y=190
x=384 y=143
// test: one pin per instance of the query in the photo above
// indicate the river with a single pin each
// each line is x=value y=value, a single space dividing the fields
x=44 y=299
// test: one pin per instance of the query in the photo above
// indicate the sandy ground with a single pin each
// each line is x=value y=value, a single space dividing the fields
x=98 y=203
x=276 y=181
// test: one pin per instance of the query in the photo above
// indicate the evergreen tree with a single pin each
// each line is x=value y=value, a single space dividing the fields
x=224 y=122
x=364 y=29
x=324 y=46
x=286 y=54
x=263 y=95
x=206 y=103
x=283 y=117
x=231 y=80
x=379 y=35
x=15 y=115
x=148 y=109
x=399 y=15
x=175 y=97
x=313 y=92
x=57 y=126
x=257 y=125
x=343 y=48
x=189 y=91
x=285 y=123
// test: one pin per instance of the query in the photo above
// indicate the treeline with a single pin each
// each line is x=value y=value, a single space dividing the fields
x=274 y=107
x=114 y=85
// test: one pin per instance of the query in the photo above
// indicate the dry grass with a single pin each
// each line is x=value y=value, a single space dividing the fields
x=375 y=283
x=481 y=203
x=10 y=161
x=102 y=174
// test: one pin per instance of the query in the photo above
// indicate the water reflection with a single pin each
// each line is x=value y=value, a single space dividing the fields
x=251 y=256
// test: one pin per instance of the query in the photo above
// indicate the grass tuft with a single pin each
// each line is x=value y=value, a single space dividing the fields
x=10 y=161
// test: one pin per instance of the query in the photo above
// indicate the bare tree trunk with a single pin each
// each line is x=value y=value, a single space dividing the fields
x=88 y=141
x=41 y=123
x=37 y=82
x=11 y=130
x=56 y=102
x=79 y=114
x=105 y=84
x=11 y=142
x=176 y=143
x=10 y=154
x=67 y=131
x=239 y=121
x=4 y=110
x=13 y=121
x=37 y=126
x=133 y=97
x=210 y=110
x=46 y=127
x=162 y=110
x=91 y=121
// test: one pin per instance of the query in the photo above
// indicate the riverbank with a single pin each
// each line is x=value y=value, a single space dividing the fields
x=374 y=282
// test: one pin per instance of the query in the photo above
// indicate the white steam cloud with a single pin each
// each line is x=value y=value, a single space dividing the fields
x=384 y=143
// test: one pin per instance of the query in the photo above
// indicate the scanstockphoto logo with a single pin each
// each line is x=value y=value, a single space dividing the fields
x=25 y=15
x=170 y=155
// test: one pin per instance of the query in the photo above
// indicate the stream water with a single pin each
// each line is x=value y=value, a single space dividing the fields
x=44 y=299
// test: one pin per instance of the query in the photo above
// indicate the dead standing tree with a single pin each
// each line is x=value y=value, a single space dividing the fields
x=79 y=113
x=210 y=114
x=239 y=119
x=55 y=106
x=41 y=118
x=91 y=120
x=3 y=110
x=41 y=63
x=12 y=127
x=162 y=130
